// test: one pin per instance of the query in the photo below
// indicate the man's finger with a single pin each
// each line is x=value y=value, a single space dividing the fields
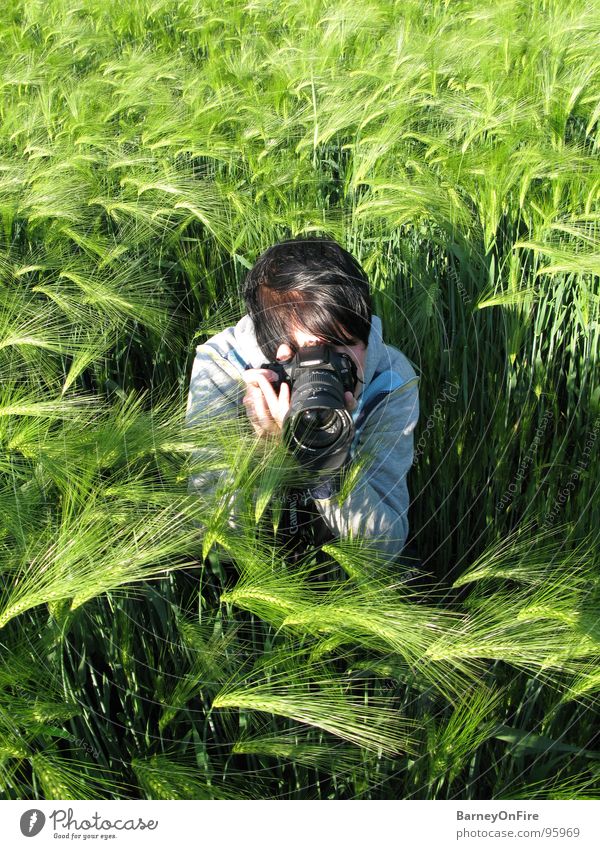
x=350 y=401
x=251 y=375
x=257 y=410
x=254 y=401
x=264 y=417
x=284 y=400
x=269 y=396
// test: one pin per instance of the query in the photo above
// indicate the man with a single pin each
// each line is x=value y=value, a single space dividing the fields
x=303 y=292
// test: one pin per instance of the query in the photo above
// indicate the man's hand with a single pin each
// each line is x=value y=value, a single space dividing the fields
x=265 y=409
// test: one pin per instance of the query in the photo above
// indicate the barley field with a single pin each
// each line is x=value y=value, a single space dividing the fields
x=149 y=151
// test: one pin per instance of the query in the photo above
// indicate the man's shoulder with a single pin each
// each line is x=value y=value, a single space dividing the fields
x=221 y=342
x=387 y=360
x=392 y=360
x=392 y=392
x=236 y=344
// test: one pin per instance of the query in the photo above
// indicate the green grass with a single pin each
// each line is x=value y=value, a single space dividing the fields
x=148 y=153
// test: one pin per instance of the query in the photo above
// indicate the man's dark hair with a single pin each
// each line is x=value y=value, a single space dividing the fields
x=310 y=283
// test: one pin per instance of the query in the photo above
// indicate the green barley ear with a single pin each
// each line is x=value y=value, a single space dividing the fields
x=59 y=777
x=451 y=743
x=85 y=552
x=582 y=786
x=314 y=695
x=213 y=657
x=307 y=747
x=172 y=776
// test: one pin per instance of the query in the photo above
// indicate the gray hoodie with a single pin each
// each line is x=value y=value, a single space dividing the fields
x=377 y=507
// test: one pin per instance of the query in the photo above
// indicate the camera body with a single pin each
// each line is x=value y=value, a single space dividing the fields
x=318 y=428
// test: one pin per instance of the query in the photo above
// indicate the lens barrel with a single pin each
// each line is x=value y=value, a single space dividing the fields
x=318 y=428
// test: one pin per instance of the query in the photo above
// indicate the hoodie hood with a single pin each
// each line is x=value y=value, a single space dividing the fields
x=236 y=348
x=375 y=349
x=244 y=342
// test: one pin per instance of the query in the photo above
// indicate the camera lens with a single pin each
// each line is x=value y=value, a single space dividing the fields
x=317 y=429
x=318 y=418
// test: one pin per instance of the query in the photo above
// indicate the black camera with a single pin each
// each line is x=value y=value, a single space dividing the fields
x=317 y=428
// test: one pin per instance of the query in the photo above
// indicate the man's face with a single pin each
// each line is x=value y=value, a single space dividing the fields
x=355 y=349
